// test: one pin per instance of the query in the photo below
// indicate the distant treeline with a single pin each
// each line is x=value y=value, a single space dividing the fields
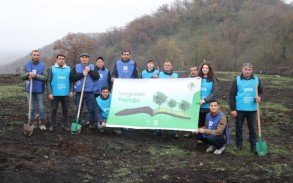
x=225 y=33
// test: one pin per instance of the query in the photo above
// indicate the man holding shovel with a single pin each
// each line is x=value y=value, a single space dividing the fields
x=35 y=70
x=84 y=72
x=59 y=89
x=243 y=104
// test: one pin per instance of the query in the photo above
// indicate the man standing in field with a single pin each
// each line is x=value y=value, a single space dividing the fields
x=150 y=72
x=125 y=68
x=59 y=89
x=35 y=70
x=105 y=77
x=77 y=75
x=243 y=106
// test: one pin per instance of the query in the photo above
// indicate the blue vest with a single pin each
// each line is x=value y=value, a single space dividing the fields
x=89 y=84
x=246 y=94
x=162 y=74
x=103 y=81
x=205 y=90
x=212 y=123
x=38 y=86
x=146 y=74
x=125 y=69
x=60 y=81
x=104 y=105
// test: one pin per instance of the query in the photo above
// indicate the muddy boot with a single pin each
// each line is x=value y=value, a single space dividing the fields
x=42 y=125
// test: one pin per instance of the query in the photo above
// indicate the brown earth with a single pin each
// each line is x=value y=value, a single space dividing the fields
x=134 y=156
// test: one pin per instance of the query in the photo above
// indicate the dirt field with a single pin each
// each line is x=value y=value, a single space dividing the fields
x=137 y=155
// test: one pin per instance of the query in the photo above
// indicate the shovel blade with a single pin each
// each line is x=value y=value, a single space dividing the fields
x=27 y=130
x=75 y=128
x=261 y=148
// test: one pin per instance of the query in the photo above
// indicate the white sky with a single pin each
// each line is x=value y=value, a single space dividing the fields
x=32 y=24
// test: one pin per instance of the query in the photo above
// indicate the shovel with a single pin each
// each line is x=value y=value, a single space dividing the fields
x=27 y=128
x=261 y=146
x=76 y=127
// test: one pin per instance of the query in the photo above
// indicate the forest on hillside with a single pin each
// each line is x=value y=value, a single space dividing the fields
x=225 y=33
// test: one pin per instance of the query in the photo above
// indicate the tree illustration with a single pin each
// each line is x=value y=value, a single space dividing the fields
x=184 y=105
x=172 y=103
x=160 y=98
x=190 y=85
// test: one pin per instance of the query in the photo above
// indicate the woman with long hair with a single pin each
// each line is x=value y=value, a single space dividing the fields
x=209 y=90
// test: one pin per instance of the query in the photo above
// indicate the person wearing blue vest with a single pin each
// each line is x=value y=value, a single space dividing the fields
x=105 y=77
x=102 y=107
x=125 y=68
x=209 y=90
x=36 y=71
x=77 y=75
x=243 y=105
x=215 y=132
x=59 y=89
x=150 y=72
x=168 y=73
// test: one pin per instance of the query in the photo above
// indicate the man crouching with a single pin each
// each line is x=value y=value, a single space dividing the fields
x=215 y=132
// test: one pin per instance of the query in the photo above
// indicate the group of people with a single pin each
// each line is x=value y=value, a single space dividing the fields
x=94 y=83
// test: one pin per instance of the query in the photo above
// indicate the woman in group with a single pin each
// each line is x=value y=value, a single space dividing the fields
x=209 y=90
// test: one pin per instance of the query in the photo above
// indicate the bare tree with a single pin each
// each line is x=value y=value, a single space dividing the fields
x=73 y=44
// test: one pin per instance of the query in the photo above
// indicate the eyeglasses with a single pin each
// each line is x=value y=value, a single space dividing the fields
x=192 y=69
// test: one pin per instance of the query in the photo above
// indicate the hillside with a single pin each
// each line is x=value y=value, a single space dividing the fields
x=225 y=33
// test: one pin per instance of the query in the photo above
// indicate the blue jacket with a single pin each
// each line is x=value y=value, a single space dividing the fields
x=60 y=83
x=163 y=74
x=212 y=123
x=89 y=84
x=245 y=98
x=38 y=85
x=103 y=81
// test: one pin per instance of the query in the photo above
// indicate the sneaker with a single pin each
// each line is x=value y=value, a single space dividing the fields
x=219 y=151
x=210 y=149
x=175 y=136
x=187 y=135
x=43 y=127
x=52 y=128
x=238 y=148
x=118 y=131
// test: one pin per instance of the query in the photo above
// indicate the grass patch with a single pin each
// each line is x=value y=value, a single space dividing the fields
x=167 y=151
x=12 y=91
x=269 y=106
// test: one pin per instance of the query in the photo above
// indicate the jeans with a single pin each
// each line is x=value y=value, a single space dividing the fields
x=251 y=120
x=39 y=97
x=89 y=99
x=217 y=141
x=54 y=107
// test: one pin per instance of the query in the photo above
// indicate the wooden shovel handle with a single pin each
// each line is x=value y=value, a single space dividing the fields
x=81 y=97
x=30 y=102
x=258 y=112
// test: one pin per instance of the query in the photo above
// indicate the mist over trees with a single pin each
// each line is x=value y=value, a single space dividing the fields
x=225 y=33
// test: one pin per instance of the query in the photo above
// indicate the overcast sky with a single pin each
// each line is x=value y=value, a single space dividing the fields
x=32 y=24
